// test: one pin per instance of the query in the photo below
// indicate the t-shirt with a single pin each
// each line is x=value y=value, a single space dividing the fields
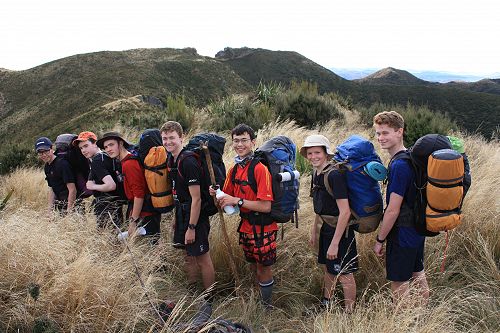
x=188 y=174
x=264 y=192
x=101 y=166
x=401 y=181
x=324 y=203
x=134 y=183
x=58 y=174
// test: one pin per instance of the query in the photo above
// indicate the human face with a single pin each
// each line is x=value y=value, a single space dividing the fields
x=88 y=148
x=45 y=155
x=388 y=137
x=317 y=156
x=172 y=142
x=242 y=144
x=112 y=148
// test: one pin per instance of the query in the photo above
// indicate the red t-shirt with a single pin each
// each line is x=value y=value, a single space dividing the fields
x=264 y=192
x=134 y=181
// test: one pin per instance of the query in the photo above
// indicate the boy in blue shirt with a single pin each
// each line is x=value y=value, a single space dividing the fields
x=405 y=247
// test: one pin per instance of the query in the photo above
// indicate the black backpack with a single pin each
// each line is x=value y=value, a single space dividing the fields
x=216 y=145
x=79 y=164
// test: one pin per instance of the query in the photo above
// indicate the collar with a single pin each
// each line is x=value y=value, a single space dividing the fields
x=242 y=161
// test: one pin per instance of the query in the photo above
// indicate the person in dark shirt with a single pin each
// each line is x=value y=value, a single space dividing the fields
x=60 y=178
x=405 y=247
x=140 y=210
x=337 y=243
x=192 y=225
x=103 y=180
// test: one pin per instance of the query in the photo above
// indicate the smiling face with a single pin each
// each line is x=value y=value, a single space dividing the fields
x=46 y=155
x=389 y=138
x=112 y=147
x=88 y=148
x=172 y=142
x=317 y=156
x=242 y=144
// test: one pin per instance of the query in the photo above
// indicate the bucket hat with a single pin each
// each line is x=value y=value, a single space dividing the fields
x=112 y=135
x=316 y=140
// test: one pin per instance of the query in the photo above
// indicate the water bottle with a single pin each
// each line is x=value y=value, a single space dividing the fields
x=230 y=210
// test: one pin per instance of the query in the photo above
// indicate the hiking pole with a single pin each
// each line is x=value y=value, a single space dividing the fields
x=232 y=265
x=6 y=199
x=136 y=269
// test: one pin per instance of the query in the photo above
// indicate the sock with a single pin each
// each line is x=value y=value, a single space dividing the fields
x=266 y=291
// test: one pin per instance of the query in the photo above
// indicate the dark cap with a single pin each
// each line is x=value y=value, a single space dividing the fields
x=43 y=143
x=112 y=135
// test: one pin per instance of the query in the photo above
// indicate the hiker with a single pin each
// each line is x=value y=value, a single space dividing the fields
x=60 y=178
x=103 y=180
x=140 y=211
x=337 y=243
x=192 y=225
x=257 y=239
x=405 y=246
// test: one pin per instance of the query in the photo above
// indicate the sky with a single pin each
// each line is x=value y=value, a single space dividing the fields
x=453 y=36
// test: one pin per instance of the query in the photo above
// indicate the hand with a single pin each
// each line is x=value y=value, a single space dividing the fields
x=312 y=239
x=90 y=185
x=212 y=189
x=333 y=251
x=189 y=237
x=228 y=200
x=378 y=248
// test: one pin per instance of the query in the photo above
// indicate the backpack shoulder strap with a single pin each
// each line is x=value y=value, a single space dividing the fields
x=326 y=173
x=251 y=174
x=183 y=155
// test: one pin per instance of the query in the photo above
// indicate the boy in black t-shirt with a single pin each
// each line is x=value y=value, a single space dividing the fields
x=60 y=178
x=104 y=180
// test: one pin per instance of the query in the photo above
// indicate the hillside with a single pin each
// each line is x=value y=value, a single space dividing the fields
x=490 y=86
x=393 y=76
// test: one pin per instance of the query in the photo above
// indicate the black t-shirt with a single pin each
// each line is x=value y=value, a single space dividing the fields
x=188 y=173
x=101 y=166
x=324 y=203
x=58 y=174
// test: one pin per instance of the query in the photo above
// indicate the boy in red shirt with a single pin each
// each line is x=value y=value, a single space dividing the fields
x=140 y=209
x=257 y=231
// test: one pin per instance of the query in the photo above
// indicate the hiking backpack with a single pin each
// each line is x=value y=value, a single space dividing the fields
x=152 y=155
x=441 y=182
x=78 y=163
x=216 y=145
x=365 y=197
x=278 y=155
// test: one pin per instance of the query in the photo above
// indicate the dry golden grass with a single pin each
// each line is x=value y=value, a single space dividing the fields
x=87 y=280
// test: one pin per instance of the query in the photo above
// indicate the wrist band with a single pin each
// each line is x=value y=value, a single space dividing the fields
x=381 y=241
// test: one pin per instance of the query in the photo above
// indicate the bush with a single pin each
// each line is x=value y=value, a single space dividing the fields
x=419 y=120
x=178 y=110
x=231 y=111
x=267 y=93
x=16 y=157
x=303 y=104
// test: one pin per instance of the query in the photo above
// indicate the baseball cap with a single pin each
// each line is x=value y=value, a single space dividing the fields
x=315 y=140
x=43 y=143
x=84 y=136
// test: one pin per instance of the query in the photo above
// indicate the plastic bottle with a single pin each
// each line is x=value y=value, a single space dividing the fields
x=230 y=210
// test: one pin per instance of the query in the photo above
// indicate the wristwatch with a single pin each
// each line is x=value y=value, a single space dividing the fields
x=192 y=226
x=240 y=203
x=381 y=241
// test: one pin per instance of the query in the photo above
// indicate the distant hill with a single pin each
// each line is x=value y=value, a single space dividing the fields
x=392 y=76
x=88 y=90
x=490 y=86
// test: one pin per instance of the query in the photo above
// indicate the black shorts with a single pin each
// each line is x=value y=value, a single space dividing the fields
x=105 y=210
x=262 y=252
x=402 y=262
x=200 y=245
x=347 y=258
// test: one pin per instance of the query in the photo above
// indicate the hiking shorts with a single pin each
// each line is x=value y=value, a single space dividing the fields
x=347 y=257
x=262 y=251
x=104 y=210
x=402 y=262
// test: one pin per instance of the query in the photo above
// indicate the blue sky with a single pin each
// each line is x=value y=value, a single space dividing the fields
x=454 y=36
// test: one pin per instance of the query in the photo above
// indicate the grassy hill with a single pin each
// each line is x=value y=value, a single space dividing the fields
x=393 y=76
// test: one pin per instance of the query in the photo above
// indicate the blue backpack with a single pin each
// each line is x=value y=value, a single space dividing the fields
x=278 y=155
x=364 y=194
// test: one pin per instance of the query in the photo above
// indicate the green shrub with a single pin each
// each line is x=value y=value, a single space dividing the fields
x=267 y=93
x=178 y=110
x=419 y=120
x=16 y=156
x=303 y=104
x=231 y=111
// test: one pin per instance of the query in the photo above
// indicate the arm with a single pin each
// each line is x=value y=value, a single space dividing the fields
x=136 y=213
x=344 y=214
x=51 y=198
x=194 y=215
x=108 y=186
x=71 y=196
x=262 y=206
x=390 y=216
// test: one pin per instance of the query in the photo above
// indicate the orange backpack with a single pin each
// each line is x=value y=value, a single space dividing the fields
x=445 y=190
x=159 y=184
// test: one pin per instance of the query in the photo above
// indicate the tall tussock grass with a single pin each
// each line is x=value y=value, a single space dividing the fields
x=60 y=273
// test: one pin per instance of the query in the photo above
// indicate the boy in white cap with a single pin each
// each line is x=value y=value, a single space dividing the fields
x=337 y=244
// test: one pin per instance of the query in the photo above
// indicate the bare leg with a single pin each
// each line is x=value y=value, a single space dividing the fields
x=420 y=281
x=349 y=288
x=207 y=269
x=191 y=269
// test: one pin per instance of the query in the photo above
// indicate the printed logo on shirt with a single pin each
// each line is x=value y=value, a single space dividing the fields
x=193 y=180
